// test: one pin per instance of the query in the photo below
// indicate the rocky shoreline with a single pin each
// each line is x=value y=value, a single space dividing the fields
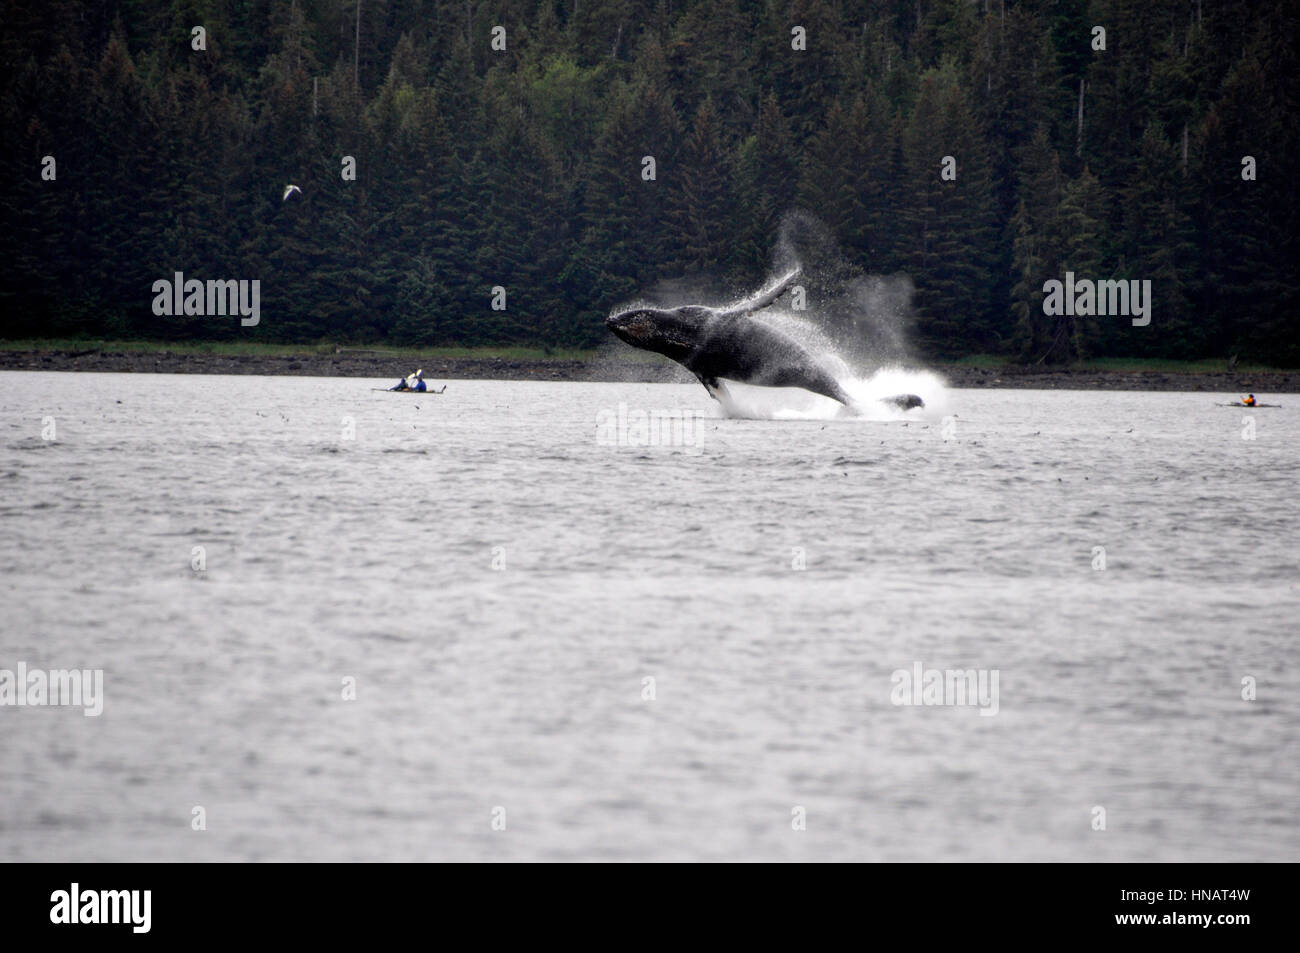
x=344 y=364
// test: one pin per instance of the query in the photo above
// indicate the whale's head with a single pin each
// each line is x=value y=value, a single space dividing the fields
x=670 y=331
x=639 y=327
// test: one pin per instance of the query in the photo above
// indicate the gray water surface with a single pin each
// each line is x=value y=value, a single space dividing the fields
x=500 y=584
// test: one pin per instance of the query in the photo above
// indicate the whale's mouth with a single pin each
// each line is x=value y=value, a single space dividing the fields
x=635 y=327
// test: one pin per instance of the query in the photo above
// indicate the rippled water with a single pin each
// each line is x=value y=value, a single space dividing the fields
x=500 y=582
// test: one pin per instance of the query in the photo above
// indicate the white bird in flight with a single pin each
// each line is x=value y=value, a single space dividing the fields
x=289 y=190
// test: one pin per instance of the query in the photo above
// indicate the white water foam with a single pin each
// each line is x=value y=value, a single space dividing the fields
x=793 y=403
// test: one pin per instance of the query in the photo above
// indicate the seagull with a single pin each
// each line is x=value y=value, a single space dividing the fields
x=289 y=190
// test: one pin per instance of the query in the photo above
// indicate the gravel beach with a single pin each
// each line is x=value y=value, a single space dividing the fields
x=345 y=364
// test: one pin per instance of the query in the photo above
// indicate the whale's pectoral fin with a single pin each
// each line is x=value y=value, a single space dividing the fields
x=822 y=384
x=764 y=297
x=712 y=385
x=717 y=390
x=904 y=401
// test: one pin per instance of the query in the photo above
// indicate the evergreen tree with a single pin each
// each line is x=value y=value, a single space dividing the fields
x=1037 y=255
x=949 y=217
x=700 y=203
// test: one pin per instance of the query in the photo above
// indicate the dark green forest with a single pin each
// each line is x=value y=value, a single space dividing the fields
x=522 y=167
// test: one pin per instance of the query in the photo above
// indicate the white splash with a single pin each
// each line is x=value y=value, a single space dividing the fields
x=793 y=403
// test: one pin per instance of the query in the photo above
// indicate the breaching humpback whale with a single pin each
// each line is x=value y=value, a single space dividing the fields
x=717 y=343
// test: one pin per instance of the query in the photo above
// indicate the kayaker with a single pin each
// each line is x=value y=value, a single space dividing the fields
x=412 y=382
x=1249 y=400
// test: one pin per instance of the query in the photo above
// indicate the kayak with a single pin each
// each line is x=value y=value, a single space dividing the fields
x=1249 y=406
x=389 y=390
